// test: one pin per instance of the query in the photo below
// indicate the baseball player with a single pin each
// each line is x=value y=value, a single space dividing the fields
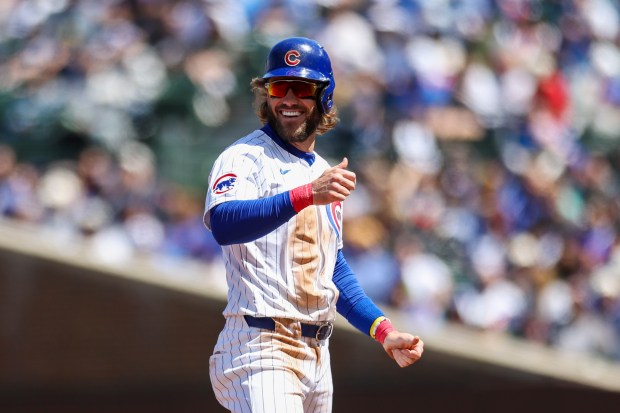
x=275 y=206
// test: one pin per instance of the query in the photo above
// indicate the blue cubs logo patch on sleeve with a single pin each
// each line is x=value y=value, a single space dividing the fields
x=224 y=183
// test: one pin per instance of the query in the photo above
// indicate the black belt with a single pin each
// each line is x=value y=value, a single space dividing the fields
x=320 y=332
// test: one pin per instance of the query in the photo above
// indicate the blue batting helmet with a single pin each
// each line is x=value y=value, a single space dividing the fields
x=304 y=58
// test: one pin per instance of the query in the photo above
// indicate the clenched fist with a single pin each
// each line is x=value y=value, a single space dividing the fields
x=404 y=348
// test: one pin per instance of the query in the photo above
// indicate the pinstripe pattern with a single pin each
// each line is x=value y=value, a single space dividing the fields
x=287 y=275
x=257 y=371
x=264 y=279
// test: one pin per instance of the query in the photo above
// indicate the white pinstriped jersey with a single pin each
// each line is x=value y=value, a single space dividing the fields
x=265 y=280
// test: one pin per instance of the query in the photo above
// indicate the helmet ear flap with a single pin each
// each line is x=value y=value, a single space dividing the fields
x=326 y=97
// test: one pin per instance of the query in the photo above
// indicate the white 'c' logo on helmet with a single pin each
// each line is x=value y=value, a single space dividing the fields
x=291 y=58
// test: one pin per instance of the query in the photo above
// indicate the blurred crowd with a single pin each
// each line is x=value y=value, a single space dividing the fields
x=485 y=135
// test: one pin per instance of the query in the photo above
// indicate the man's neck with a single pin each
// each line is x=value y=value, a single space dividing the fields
x=305 y=151
x=305 y=146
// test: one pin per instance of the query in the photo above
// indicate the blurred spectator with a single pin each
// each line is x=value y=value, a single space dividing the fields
x=367 y=254
x=427 y=284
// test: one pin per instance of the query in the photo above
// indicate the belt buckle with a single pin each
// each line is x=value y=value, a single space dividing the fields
x=324 y=331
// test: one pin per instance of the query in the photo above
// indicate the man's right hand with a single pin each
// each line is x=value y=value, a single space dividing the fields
x=335 y=184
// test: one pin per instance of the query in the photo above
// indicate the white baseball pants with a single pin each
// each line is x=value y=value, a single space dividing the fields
x=261 y=371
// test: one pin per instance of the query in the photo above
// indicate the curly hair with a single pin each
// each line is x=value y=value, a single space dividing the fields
x=328 y=120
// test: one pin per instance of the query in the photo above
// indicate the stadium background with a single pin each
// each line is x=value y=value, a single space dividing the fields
x=484 y=133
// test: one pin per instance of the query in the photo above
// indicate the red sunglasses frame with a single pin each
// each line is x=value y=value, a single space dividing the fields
x=301 y=89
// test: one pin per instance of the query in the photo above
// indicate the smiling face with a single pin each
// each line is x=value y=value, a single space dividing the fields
x=294 y=118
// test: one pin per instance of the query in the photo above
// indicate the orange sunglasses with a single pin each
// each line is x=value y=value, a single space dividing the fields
x=301 y=89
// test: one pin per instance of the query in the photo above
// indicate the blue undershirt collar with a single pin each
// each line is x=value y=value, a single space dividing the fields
x=307 y=156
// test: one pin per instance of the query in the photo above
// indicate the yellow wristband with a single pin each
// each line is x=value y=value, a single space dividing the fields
x=373 y=327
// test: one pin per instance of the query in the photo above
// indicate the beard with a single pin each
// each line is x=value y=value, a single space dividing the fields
x=299 y=134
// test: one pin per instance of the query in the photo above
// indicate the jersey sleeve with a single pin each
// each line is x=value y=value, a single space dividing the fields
x=237 y=222
x=233 y=177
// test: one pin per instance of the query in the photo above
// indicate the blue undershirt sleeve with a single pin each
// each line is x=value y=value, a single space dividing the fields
x=237 y=222
x=353 y=303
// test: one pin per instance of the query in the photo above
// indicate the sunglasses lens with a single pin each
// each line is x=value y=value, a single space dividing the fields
x=280 y=88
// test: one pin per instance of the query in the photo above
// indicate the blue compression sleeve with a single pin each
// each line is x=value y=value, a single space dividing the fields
x=237 y=222
x=353 y=303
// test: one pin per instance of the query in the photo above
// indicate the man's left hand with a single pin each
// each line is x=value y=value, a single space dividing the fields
x=404 y=348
